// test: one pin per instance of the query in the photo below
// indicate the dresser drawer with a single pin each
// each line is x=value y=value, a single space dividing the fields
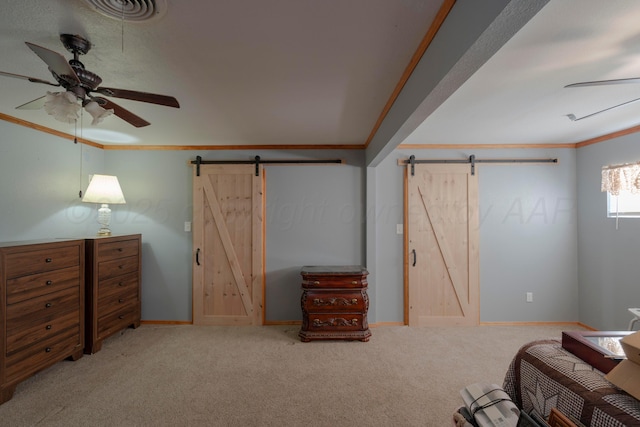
x=117 y=267
x=29 y=312
x=335 y=301
x=337 y=322
x=115 y=301
x=25 y=287
x=118 y=249
x=39 y=355
x=19 y=338
x=38 y=261
x=117 y=320
x=116 y=285
x=333 y=282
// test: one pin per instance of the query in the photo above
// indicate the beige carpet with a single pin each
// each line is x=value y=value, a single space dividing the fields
x=264 y=376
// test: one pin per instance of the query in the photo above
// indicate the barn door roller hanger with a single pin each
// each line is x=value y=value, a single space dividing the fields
x=257 y=161
x=471 y=161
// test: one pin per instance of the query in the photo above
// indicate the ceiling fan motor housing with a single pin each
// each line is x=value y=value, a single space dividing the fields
x=75 y=44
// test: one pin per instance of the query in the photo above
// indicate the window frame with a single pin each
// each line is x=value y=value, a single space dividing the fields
x=625 y=205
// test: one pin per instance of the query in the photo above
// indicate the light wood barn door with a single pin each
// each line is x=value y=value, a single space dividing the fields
x=227 y=245
x=443 y=237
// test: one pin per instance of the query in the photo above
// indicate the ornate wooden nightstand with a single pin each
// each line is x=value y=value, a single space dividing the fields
x=334 y=303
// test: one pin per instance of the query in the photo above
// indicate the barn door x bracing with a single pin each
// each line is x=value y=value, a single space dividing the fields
x=443 y=259
x=227 y=245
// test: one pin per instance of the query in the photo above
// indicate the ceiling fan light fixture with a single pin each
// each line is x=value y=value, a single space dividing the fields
x=97 y=112
x=63 y=106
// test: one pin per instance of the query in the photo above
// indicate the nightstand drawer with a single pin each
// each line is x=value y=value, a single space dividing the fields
x=26 y=313
x=38 y=261
x=333 y=282
x=117 y=267
x=22 y=288
x=326 y=322
x=119 y=249
x=335 y=301
x=18 y=339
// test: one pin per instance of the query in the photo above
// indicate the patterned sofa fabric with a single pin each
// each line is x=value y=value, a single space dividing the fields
x=543 y=375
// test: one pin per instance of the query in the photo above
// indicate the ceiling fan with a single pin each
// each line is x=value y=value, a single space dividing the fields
x=83 y=87
x=572 y=117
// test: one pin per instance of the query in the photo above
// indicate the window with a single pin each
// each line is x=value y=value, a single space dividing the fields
x=622 y=184
x=624 y=205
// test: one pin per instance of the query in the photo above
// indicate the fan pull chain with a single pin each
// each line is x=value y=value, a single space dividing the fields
x=75 y=140
x=122 y=2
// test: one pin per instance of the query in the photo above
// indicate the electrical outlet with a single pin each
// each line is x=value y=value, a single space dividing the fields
x=529 y=296
x=399 y=228
x=187 y=226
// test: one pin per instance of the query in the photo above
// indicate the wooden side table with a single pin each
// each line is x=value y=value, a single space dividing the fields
x=334 y=303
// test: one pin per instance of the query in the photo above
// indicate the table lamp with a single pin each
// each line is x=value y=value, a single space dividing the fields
x=104 y=189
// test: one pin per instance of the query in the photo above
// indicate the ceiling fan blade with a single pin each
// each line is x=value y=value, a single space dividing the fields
x=31 y=79
x=152 y=98
x=36 y=104
x=56 y=62
x=606 y=82
x=124 y=114
x=574 y=119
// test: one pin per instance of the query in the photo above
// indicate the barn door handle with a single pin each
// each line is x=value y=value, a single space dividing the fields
x=198 y=256
x=415 y=257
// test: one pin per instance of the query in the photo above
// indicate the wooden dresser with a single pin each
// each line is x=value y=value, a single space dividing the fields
x=334 y=303
x=41 y=307
x=112 y=287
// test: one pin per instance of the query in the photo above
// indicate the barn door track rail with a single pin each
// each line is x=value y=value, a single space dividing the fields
x=412 y=161
x=258 y=161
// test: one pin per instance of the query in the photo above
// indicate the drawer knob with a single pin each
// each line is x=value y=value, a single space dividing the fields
x=49 y=282
x=47 y=305
x=121 y=267
x=121 y=317
x=48 y=349
x=316 y=283
x=48 y=260
x=48 y=327
x=120 y=249
x=120 y=284
x=355 y=282
x=120 y=300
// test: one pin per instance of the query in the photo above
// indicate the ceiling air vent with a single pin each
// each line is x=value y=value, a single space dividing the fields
x=130 y=10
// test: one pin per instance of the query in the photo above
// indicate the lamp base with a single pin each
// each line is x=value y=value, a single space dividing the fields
x=104 y=219
x=104 y=232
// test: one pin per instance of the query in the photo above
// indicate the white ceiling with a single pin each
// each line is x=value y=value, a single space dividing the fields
x=518 y=96
x=283 y=73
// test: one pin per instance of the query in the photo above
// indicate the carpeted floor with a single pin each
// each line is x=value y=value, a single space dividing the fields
x=264 y=376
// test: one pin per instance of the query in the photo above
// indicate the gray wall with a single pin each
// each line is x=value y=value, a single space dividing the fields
x=314 y=212
x=608 y=258
x=532 y=237
x=40 y=178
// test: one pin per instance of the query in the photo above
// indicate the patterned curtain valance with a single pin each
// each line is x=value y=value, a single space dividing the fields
x=618 y=178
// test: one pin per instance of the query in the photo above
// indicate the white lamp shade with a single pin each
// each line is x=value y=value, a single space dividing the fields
x=97 y=112
x=63 y=106
x=104 y=189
